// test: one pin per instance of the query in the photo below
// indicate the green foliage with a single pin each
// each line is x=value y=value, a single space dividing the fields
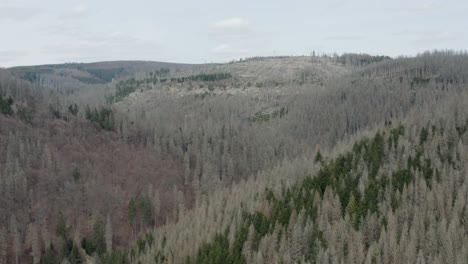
x=318 y=157
x=98 y=239
x=55 y=111
x=262 y=226
x=353 y=206
x=420 y=81
x=141 y=245
x=76 y=174
x=33 y=76
x=145 y=209
x=73 y=109
x=260 y=117
x=395 y=134
x=141 y=208
x=160 y=258
x=104 y=117
x=375 y=154
x=337 y=174
x=50 y=256
x=340 y=175
x=360 y=59
x=149 y=238
x=124 y=88
x=5 y=105
x=60 y=229
x=89 y=79
x=162 y=72
x=131 y=211
x=281 y=210
x=316 y=240
x=204 y=77
x=219 y=251
x=427 y=171
x=75 y=256
x=236 y=255
x=462 y=128
x=215 y=252
x=96 y=243
x=25 y=114
x=297 y=198
x=115 y=257
x=67 y=248
x=423 y=136
x=88 y=246
x=105 y=75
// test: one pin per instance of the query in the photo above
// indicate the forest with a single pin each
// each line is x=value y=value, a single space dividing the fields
x=348 y=158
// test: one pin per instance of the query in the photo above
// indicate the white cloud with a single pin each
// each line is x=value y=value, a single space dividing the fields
x=79 y=11
x=231 y=29
x=221 y=48
x=231 y=23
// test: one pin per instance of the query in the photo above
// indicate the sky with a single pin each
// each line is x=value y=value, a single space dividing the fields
x=60 y=31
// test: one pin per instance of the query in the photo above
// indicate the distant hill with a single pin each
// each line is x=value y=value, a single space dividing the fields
x=97 y=72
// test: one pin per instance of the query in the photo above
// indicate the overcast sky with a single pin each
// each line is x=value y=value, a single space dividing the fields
x=197 y=31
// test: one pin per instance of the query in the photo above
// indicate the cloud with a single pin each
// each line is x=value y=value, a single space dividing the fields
x=17 y=13
x=80 y=10
x=221 y=48
x=415 y=7
x=77 y=12
x=234 y=37
x=231 y=23
x=231 y=29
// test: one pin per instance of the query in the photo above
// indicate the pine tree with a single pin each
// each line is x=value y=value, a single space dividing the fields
x=186 y=168
x=16 y=244
x=32 y=240
x=132 y=210
x=157 y=205
x=60 y=229
x=45 y=235
x=108 y=234
x=75 y=256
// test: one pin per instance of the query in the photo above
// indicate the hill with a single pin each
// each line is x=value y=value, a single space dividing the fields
x=353 y=159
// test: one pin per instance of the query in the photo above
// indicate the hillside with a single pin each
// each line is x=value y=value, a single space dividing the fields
x=313 y=159
x=387 y=196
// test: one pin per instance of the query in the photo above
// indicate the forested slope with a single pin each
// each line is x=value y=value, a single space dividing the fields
x=64 y=178
x=352 y=158
x=389 y=196
x=396 y=194
x=223 y=138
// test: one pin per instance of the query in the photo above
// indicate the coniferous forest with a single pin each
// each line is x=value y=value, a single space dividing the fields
x=348 y=158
